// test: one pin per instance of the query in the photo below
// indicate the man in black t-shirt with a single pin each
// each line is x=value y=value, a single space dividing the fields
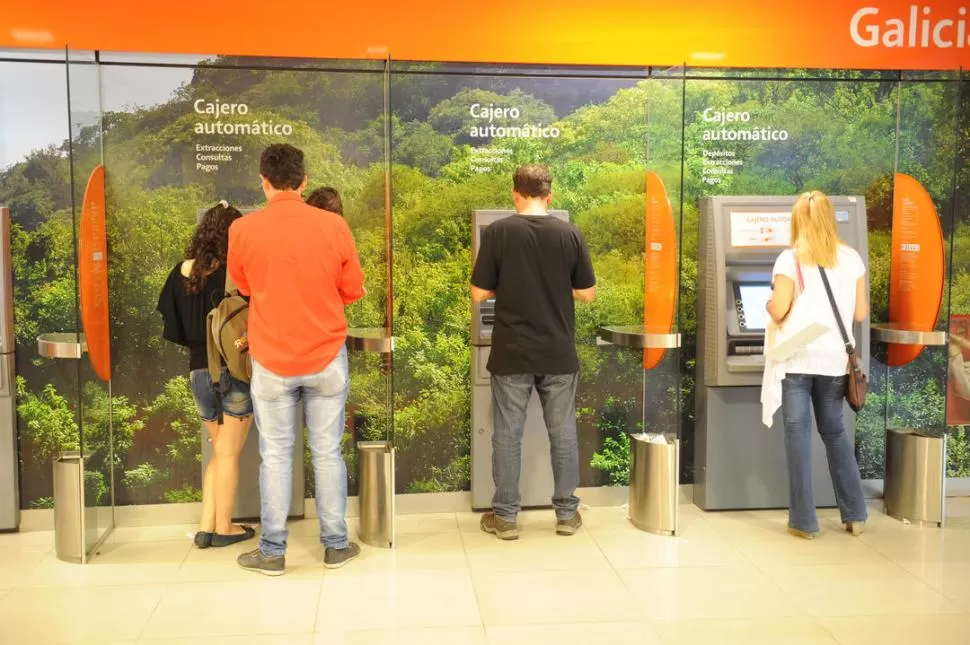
x=534 y=265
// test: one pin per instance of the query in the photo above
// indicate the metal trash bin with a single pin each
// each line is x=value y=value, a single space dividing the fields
x=376 y=493
x=69 y=507
x=654 y=472
x=914 y=488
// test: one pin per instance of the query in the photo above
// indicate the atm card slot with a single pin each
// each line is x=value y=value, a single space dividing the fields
x=747 y=347
x=488 y=320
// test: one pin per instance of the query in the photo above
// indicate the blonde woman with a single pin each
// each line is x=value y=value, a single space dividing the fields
x=815 y=375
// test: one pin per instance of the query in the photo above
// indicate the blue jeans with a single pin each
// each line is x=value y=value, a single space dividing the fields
x=324 y=397
x=510 y=400
x=826 y=394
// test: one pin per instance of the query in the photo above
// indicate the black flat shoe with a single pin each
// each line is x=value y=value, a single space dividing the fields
x=219 y=540
x=203 y=539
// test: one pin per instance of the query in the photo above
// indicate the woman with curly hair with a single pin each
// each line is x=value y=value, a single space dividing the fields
x=195 y=287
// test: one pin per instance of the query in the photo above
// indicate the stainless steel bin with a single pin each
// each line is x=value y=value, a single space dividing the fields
x=376 y=493
x=915 y=474
x=69 y=507
x=654 y=486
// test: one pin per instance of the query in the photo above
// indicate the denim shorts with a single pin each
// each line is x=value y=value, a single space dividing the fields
x=236 y=401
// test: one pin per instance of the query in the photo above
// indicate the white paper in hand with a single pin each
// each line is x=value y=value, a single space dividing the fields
x=788 y=340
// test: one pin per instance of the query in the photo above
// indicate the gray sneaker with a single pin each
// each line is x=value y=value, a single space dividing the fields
x=336 y=558
x=569 y=526
x=502 y=529
x=268 y=565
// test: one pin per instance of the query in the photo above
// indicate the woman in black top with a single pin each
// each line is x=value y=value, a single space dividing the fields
x=194 y=287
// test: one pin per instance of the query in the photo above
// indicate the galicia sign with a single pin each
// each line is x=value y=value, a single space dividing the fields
x=920 y=27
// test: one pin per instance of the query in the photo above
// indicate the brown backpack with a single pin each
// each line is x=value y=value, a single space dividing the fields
x=226 y=339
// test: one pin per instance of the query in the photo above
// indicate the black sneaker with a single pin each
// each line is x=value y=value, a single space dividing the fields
x=268 y=565
x=336 y=558
x=219 y=540
x=569 y=526
x=502 y=529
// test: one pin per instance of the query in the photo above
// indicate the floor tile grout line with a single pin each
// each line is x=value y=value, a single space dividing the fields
x=471 y=578
x=764 y=573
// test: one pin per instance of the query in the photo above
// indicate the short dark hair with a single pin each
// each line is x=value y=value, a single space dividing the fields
x=327 y=199
x=282 y=165
x=532 y=180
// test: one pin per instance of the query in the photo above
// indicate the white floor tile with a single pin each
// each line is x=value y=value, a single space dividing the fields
x=698 y=545
x=632 y=633
x=243 y=638
x=530 y=597
x=728 y=578
x=403 y=599
x=404 y=636
x=708 y=593
x=27 y=538
x=77 y=615
x=915 y=543
x=415 y=551
x=899 y=630
x=952 y=579
x=174 y=532
x=130 y=563
x=17 y=562
x=860 y=590
x=750 y=631
x=261 y=606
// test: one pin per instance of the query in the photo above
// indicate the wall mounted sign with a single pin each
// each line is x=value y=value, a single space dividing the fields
x=845 y=34
x=916 y=272
x=93 y=275
x=660 y=266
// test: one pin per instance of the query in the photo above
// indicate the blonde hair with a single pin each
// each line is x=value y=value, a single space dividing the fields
x=814 y=235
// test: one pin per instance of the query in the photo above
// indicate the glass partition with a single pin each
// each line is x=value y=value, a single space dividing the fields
x=180 y=135
x=88 y=206
x=371 y=355
x=753 y=141
x=958 y=377
x=459 y=131
x=667 y=386
x=922 y=213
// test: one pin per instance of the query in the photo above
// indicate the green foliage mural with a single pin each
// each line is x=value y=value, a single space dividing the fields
x=842 y=139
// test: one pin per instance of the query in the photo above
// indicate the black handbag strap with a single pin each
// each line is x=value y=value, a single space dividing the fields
x=849 y=349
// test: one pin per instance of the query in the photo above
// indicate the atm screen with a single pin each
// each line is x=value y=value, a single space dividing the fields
x=751 y=299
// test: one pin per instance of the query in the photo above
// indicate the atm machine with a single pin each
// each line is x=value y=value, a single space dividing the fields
x=247 y=494
x=536 y=483
x=739 y=463
x=9 y=453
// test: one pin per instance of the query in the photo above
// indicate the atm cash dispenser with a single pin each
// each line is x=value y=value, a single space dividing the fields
x=247 y=494
x=739 y=463
x=535 y=484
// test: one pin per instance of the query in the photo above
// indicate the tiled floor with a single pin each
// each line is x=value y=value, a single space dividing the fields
x=728 y=578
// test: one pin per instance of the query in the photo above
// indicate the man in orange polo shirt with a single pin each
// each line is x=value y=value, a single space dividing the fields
x=299 y=266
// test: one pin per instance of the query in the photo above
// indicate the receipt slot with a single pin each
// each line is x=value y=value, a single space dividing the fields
x=739 y=463
x=535 y=483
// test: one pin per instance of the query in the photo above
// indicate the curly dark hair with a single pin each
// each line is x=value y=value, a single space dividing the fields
x=210 y=244
x=327 y=199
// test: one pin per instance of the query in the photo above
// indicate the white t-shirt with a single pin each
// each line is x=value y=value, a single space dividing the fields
x=824 y=356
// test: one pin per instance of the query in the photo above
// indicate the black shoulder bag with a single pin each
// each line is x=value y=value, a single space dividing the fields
x=857 y=386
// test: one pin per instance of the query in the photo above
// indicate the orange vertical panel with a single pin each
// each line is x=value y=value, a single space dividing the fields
x=660 y=266
x=917 y=271
x=93 y=275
